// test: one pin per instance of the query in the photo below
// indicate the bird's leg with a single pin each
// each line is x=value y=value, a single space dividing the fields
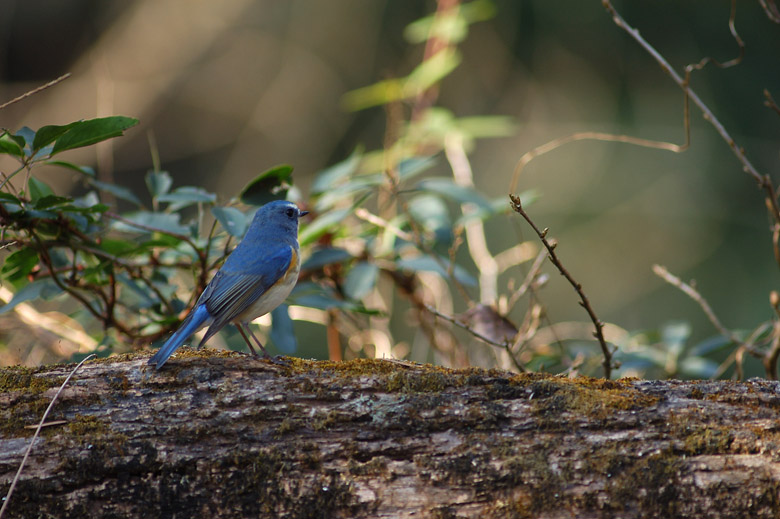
x=251 y=348
x=275 y=360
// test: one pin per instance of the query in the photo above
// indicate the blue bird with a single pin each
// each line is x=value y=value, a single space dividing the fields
x=256 y=278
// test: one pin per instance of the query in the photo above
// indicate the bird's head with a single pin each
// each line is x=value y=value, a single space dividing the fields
x=275 y=216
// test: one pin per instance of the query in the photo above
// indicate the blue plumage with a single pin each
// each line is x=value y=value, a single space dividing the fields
x=256 y=278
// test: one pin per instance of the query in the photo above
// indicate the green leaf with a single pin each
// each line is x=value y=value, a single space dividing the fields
x=10 y=146
x=379 y=93
x=118 y=191
x=231 y=219
x=428 y=263
x=163 y=222
x=431 y=212
x=44 y=289
x=84 y=170
x=344 y=192
x=116 y=247
x=327 y=256
x=413 y=166
x=361 y=280
x=431 y=71
x=76 y=208
x=85 y=133
x=186 y=195
x=454 y=27
x=321 y=225
x=282 y=333
x=19 y=264
x=24 y=138
x=478 y=11
x=674 y=336
x=158 y=182
x=697 y=367
x=332 y=176
x=38 y=189
x=48 y=134
x=710 y=345
x=486 y=126
x=8 y=197
x=268 y=186
x=49 y=201
x=139 y=295
x=316 y=296
x=450 y=27
x=90 y=201
x=447 y=188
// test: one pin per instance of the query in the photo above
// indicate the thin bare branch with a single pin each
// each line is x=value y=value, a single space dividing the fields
x=691 y=292
x=771 y=10
x=682 y=83
x=770 y=102
x=380 y=222
x=771 y=356
x=35 y=90
x=687 y=289
x=475 y=230
x=529 y=279
x=726 y=64
x=584 y=302
x=593 y=136
x=752 y=338
x=504 y=345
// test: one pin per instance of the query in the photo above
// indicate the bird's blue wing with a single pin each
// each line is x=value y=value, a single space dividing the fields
x=235 y=289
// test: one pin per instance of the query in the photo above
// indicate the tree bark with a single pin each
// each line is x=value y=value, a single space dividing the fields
x=217 y=434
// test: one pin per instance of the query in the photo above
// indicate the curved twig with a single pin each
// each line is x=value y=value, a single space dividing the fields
x=584 y=302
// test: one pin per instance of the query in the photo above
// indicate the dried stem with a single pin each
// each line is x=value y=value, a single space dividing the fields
x=593 y=136
x=762 y=180
x=584 y=302
x=533 y=272
x=691 y=292
x=743 y=346
x=734 y=355
x=730 y=63
x=771 y=356
x=380 y=222
x=504 y=345
x=35 y=91
x=770 y=102
x=475 y=230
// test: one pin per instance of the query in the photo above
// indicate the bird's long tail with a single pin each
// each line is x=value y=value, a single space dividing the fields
x=194 y=321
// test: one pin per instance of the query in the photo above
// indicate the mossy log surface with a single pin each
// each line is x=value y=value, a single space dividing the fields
x=217 y=434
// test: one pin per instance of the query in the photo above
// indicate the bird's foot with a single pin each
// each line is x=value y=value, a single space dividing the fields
x=278 y=360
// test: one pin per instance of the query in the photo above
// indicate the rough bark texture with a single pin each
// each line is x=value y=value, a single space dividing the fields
x=224 y=435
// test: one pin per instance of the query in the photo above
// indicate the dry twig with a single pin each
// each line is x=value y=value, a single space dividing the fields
x=597 y=136
x=770 y=101
x=35 y=90
x=763 y=180
x=687 y=289
x=584 y=302
x=505 y=345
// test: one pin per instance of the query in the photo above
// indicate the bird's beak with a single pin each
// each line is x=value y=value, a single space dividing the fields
x=302 y=213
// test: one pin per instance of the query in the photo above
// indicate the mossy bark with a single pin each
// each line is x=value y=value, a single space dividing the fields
x=225 y=435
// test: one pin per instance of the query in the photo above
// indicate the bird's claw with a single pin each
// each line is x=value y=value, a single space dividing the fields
x=279 y=361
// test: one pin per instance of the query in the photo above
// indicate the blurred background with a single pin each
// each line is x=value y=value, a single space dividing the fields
x=227 y=89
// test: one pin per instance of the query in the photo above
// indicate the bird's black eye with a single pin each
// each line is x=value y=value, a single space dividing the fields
x=290 y=212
